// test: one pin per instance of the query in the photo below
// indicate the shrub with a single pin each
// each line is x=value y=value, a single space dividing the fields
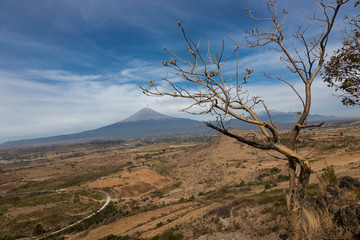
x=169 y=235
x=326 y=178
x=157 y=193
x=241 y=184
x=114 y=237
x=190 y=199
x=223 y=211
x=267 y=210
x=328 y=175
x=38 y=230
x=159 y=224
x=275 y=228
x=176 y=185
x=274 y=170
x=283 y=178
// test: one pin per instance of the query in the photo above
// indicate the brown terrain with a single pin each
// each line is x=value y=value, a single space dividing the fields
x=178 y=188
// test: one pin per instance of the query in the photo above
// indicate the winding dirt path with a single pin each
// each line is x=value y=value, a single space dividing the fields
x=108 y=200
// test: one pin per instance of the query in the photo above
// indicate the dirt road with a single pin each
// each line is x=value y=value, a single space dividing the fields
x=108 y=200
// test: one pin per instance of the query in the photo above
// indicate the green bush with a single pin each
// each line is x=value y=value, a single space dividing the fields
x=157 y=193
x=274 y=170
x=283 y=178
x=176 y=185
x=241 y=184
x=159 y=224
x=169 y=235
x=267 y=210
x=38 y=230
x=114 y=237
x=328 y=175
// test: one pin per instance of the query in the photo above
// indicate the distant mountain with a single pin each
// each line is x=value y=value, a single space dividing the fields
x=284 y=120
x=143 y=124
x=289 y=117
x=148 y=123
x=146 y=114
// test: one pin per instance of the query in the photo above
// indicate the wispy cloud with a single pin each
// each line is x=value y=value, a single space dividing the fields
x=61 y=75
x=139 y=71
x=31 y=108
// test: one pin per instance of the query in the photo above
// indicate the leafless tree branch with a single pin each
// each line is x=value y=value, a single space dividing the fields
x=201 y=78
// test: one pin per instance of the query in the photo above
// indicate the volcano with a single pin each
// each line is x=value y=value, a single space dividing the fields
x=146 y=123
x=146 y=114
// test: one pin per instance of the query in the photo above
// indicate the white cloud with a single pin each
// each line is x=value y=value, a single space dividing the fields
x=262 y=61
x=324 y=101
x=34 y=106
x=34 y=109
x=138 y=71
x=61 y=75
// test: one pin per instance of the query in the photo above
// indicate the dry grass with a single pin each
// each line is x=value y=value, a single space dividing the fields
x=351 y=196
x=319 y=224
x=319 y=221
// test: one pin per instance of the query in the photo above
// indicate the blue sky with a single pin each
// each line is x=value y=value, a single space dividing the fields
x=73 y=65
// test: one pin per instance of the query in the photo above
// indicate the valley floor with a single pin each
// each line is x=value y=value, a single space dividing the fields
x=175 y=188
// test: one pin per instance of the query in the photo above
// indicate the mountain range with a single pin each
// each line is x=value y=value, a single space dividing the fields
x=148 y=123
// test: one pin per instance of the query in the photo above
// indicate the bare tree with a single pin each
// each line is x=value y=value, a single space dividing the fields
x=200 y=77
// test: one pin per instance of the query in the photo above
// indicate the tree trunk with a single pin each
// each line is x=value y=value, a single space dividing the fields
x=295 y=201
x=292 y=177
x=296 y=195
